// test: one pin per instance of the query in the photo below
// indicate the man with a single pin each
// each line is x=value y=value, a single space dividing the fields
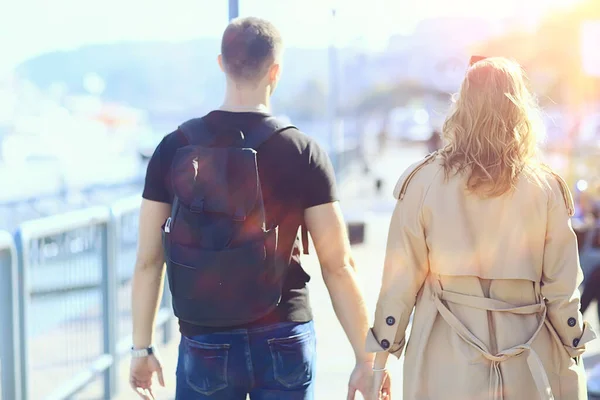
x=271 y=357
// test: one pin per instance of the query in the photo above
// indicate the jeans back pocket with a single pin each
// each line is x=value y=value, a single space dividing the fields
x=293 y=359
x=205 y=366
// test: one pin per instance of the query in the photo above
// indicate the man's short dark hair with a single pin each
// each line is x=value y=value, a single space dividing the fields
x=249 y=46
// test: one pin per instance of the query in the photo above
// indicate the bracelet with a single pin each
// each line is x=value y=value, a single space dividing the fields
x=379 y=370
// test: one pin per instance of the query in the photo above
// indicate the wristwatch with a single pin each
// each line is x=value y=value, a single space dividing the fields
x=139 y=353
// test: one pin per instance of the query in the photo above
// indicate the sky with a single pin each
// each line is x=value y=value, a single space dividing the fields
x=31 y=27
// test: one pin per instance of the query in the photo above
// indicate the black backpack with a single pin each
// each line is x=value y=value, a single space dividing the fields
x=222 y=261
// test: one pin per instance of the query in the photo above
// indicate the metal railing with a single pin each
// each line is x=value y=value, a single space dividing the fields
x=64 y=284
x=10 y=369
x=15 y=210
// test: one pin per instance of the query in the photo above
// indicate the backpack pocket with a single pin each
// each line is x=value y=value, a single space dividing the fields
x=216 y=180
x=232 y=284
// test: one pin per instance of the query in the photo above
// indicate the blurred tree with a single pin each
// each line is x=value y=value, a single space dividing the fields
x=554 y=51
x=309 y=103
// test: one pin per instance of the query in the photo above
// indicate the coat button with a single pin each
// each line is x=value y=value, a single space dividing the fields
x=575 y=342
x=572 y=322
x=385 y=344
x=390 y=321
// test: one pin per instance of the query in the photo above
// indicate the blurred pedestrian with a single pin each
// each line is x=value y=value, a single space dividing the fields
x=589 y=213
x=591 y=290
x=434 y=142
x=584 y=219
x=383 y=139
x=481 y=247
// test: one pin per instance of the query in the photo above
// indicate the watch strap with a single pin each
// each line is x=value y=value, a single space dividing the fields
x=138 y=353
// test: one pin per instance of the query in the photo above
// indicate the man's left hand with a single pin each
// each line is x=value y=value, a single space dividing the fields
x=360 y=380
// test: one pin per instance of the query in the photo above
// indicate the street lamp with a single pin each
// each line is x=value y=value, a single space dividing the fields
x=234 y=9
x=333 y=95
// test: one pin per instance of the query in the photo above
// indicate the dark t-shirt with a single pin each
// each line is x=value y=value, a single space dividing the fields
x=295 y=174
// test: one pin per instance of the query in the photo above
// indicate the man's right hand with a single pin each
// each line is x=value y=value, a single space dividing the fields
x=146 y=289
x=141 y=373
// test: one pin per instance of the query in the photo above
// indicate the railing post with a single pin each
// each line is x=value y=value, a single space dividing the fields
x=109 y=306
x=22 y=244
x=10 y=372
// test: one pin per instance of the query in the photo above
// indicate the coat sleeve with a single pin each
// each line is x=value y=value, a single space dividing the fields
x=405 y=269
x=562 y=273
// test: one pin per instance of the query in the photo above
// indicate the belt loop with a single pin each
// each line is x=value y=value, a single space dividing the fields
x=538 y=290
x=436 y=286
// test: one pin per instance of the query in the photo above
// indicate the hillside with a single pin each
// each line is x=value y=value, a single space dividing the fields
x=162 y=77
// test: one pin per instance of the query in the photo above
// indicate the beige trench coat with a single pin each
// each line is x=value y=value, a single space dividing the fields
x=493 y=283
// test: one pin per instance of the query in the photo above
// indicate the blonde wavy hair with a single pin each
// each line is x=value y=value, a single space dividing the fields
x=493 y=129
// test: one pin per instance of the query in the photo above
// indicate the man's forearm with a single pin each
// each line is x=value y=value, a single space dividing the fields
x=350 y=308
x=145 y=297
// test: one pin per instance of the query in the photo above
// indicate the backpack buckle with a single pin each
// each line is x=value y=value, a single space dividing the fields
x=239 y=216
x=197 y=206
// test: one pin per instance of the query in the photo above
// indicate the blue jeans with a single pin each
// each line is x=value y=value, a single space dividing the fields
x=271 y=362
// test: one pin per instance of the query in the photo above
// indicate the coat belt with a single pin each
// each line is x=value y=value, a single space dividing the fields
x=533 y=361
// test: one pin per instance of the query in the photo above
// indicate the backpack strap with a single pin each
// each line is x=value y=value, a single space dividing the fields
x=304 y=234
x=267 y=128
x=195 y=132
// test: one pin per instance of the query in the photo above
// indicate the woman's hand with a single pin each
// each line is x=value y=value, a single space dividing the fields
x=381 y=386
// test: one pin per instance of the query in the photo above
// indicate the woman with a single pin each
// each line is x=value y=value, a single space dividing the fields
x=481 y=245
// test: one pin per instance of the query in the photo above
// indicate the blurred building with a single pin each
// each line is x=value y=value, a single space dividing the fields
x=426 y=56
